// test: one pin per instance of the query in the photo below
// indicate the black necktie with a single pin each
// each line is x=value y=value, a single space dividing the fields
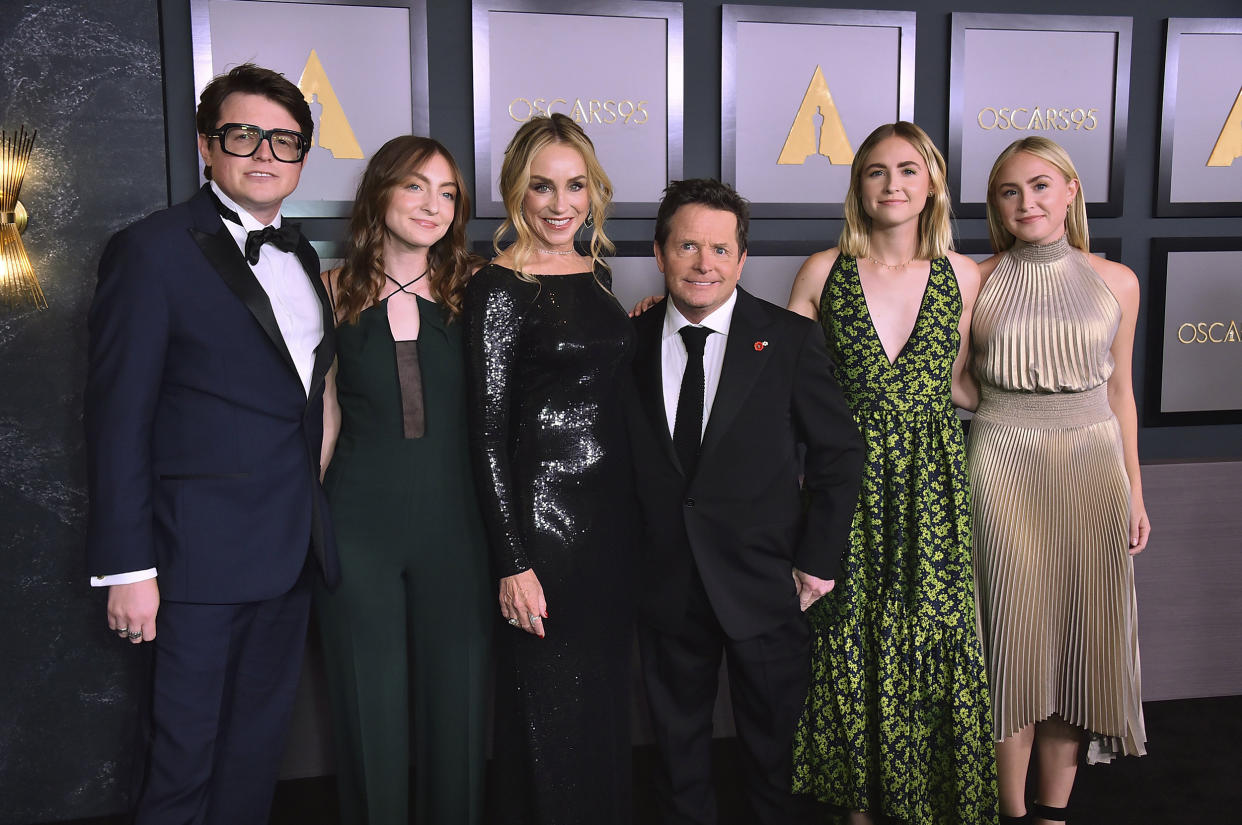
x=688 y=425
x=285 y=239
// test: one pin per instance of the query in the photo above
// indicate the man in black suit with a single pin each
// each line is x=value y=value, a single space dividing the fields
x=210 y=335
x=731 y=555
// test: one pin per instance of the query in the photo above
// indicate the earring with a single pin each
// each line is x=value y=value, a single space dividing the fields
x=590 y=219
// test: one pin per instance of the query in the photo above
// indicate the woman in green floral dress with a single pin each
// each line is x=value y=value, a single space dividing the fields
x=897 y=722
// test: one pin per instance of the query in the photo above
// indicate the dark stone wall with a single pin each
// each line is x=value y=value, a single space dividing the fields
x=86 y=74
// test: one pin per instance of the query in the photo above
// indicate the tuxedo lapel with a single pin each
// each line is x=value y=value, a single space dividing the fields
x=221 y=250
x=743 y=362
x=326 y=351
x=649 y=379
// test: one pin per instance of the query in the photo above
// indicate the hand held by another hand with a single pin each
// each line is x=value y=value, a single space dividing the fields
x=811 y=588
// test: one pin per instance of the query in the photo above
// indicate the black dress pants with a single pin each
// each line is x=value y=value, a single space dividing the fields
x=768 y=680
x=225 y=676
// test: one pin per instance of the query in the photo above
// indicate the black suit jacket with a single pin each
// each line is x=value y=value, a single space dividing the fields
x=202 y=444
x=742 y=519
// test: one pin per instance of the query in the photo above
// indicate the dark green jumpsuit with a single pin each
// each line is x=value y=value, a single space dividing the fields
x=406 y=635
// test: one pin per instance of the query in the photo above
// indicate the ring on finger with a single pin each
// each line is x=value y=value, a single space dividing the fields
x=514 y=622
x=121 y=630
x=534 y=618
x=134 y=634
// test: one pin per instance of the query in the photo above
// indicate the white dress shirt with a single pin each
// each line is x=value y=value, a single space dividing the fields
x=294 y=301
x=298 y=314
x=673 y=356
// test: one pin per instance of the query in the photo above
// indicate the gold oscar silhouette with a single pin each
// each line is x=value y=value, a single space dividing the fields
x=1229 y=144
x=817 y=128
x=333 y=131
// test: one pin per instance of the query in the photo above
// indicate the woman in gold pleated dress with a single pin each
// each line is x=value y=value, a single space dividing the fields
x=1058 y=500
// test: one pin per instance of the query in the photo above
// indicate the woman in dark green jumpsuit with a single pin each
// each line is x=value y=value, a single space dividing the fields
x=406 y=634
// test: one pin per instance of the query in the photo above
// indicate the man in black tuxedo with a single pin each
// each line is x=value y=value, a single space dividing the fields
x=210 y=336
x=728 y=387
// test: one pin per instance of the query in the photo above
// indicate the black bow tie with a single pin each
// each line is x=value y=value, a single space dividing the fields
x=285 y=239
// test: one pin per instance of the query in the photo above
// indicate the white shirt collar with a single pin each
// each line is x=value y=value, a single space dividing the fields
x=718 y=321
x=249 y=222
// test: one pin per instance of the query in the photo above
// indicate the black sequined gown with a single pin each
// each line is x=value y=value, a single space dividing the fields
x=547 y=362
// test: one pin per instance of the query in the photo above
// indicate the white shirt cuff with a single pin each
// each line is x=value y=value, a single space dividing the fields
x=123 y=578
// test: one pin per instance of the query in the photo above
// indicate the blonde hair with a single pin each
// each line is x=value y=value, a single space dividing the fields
x=1050 y=152
x=532 y=137
x=935 y=221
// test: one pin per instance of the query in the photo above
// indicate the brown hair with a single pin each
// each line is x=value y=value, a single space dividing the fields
x=449 y=262
x=252 y=80
x=531 y=137
x=703 y=192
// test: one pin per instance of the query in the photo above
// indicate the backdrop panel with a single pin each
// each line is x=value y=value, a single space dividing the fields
x=339 y=54
x=1076 y=93
x=629 y=100
x=1194 y=345
x=1201 y=120
x=795 y=104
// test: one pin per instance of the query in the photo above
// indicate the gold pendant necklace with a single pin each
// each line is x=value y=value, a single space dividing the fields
x=890 y=267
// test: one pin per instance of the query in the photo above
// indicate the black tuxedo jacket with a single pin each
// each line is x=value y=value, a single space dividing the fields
x=202 y=445
x=742 y=519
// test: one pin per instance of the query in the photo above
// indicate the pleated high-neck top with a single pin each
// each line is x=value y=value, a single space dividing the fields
x=1051 y=502
x=1044 y=322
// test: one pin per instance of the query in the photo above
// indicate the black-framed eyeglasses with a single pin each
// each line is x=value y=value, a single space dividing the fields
x=242 y=140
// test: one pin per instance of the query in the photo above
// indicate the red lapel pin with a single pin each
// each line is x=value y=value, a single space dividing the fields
x=759 y=345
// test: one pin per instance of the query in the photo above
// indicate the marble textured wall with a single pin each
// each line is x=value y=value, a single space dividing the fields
x=87 y=75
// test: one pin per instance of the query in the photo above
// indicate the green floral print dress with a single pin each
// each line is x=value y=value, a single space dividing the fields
x=897 y=721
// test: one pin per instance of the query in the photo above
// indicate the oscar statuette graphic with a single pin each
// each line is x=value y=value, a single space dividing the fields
x=332 y=129
x=1228 y=145
x=817 y=128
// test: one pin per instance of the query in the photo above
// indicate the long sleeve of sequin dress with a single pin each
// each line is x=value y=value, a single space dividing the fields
x=545 y=364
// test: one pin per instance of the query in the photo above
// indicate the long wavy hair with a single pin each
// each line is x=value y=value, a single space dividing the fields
x=531 y=137
x=361 y=279
x=936 y=219
x=1053 y=153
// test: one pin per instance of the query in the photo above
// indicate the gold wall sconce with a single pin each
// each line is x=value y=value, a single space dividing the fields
x=18 y=284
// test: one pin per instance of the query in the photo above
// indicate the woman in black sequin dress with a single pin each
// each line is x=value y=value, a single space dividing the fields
x=548 y=350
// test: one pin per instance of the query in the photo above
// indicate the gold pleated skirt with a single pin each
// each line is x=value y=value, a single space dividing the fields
x=1055 y=581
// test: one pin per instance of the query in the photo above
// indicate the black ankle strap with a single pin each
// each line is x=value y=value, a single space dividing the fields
x=1048 y=812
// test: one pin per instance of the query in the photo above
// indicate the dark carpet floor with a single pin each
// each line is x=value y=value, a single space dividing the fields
x=1192 y=775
